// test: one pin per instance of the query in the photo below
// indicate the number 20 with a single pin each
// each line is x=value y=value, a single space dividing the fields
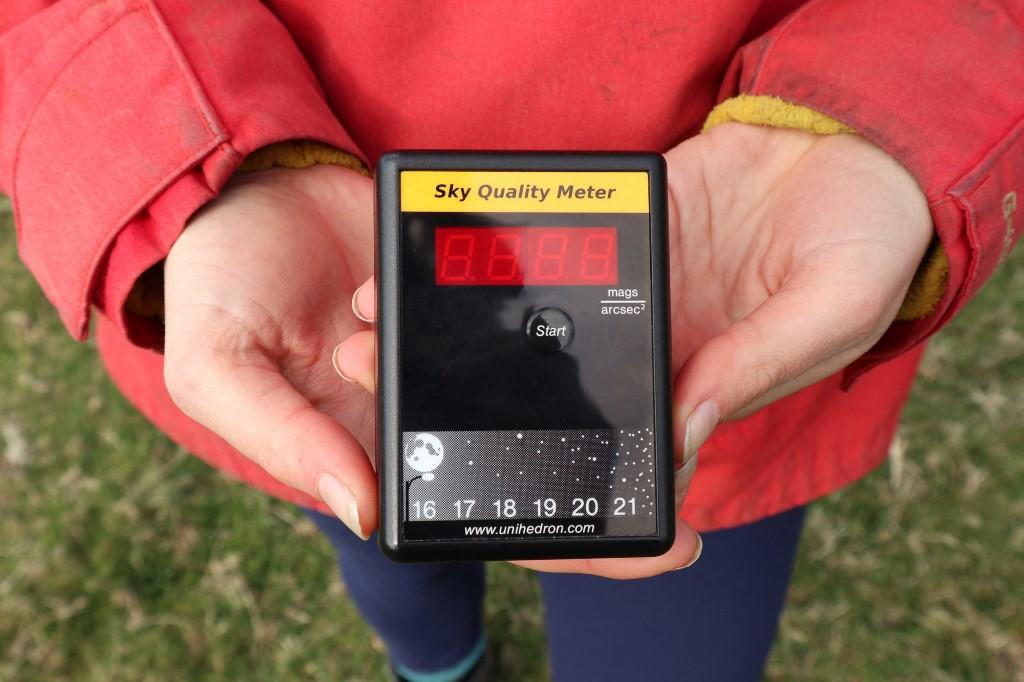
x=581 y=507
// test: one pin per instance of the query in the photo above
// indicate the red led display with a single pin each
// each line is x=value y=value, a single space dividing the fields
x=507 y=256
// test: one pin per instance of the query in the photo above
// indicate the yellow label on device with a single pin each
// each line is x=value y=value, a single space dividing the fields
x=525 y=191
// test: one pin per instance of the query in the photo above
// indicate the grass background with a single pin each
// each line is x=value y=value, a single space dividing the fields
x=122 y=558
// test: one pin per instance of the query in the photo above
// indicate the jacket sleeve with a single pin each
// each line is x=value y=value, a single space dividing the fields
x=119 y=118
x=939 y=85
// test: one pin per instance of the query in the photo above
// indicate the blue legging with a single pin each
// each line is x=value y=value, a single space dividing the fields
x=714 y=621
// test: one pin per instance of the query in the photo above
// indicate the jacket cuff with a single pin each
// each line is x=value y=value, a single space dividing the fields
x=929 y=283
x=141 y=148
x=142 y=313
x=938 y=86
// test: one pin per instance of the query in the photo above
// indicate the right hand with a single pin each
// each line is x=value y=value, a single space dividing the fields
x=258 y=293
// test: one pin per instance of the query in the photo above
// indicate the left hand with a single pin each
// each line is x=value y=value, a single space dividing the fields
x=790 y=254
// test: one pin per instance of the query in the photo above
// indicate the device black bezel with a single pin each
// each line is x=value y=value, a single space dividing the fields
x=387 y=248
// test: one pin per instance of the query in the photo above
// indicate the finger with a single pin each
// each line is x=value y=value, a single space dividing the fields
x=687 y=455
x=684 y=553
x=691 y=432
x=810 y=329
x=254 y=408
x=683 y=478
x=364 y=301
x=354 y=360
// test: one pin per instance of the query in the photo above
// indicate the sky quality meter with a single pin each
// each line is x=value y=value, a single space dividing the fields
x=523 y=355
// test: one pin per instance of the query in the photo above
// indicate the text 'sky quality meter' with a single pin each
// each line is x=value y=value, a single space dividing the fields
x=523 y=355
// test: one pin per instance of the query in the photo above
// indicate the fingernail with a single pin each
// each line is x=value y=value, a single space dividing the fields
x=337 y=366
x=341 y=501
x=684 y=475
x=355 y=306
x=699 y=425
x=696 y=554
x=686 y=471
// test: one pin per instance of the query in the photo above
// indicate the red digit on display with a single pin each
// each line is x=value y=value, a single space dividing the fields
x=598 y=250
x=456 y=258
x=548 y=263
x=503 y=260
x=514 y=256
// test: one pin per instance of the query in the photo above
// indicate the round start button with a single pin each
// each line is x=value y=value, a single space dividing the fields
x=549 y=330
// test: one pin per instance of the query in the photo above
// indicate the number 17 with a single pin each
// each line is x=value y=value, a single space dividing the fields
x=463 y=507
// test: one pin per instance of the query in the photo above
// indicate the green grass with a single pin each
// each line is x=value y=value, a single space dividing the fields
x=122 y=558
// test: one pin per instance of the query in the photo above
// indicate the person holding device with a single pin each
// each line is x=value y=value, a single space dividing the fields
x=855 y=184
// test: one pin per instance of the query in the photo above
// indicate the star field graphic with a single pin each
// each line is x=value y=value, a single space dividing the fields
x=551 y=474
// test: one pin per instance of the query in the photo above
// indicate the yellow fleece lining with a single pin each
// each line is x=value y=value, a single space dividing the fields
x=300 y=154
x=929 y=284
x=766 y=110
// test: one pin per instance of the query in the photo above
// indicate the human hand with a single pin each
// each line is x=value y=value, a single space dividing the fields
x=790 y=255
x=258 y=290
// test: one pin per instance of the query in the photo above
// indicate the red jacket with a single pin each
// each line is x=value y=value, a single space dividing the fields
x=119 y=118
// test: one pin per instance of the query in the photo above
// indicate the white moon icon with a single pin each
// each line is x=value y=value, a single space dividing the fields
x=424 y=454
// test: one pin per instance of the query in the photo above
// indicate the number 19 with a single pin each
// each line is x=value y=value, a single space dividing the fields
x=546 y=507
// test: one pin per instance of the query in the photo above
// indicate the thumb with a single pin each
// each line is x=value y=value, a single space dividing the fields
x=805 y=332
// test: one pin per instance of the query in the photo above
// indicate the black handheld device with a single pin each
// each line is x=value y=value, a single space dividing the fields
x=523 y=355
